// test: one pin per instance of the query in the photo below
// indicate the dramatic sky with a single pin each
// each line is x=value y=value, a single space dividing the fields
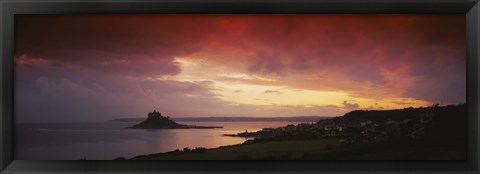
x=99 y=67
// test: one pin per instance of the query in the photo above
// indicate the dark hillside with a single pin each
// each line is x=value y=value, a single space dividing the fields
x=395 y=115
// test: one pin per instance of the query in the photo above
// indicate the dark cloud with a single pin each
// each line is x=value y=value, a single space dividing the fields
x=350 y=106
x=53 y=100
x=147 y=45
x=449 y=92
x=272 y=92
x=266 y=63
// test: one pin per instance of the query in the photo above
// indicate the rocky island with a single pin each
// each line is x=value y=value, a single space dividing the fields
x=156 y=120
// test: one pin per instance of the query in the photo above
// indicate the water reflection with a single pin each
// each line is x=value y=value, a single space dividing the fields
x=108 y=140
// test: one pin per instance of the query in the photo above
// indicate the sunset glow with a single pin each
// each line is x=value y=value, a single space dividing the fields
x=236 y=65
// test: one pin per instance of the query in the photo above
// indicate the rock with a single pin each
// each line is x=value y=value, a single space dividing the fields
x=156 y=120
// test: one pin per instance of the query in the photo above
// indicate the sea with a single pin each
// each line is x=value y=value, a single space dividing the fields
x=109 y=140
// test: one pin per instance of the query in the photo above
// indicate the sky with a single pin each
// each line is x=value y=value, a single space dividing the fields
x=101 y=67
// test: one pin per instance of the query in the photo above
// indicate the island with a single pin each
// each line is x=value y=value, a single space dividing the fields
x=156 y=120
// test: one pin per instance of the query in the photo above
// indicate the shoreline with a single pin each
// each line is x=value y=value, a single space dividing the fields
x=239 y=151
x=180 y=127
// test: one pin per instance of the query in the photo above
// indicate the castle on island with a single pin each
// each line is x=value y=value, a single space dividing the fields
x=156 y=120
x=155 y=113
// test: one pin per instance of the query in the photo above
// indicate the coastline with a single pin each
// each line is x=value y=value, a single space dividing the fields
x=406 y=134
x=179 y=127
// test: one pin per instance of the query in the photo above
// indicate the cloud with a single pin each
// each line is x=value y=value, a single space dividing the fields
x=25 y=60
x=79 y=101
x=261 y=99
x=287 y=110
x=272 y=92
x=136 y=62
x=266 y=63
x=350 y=106
x=112 y=43
x=366 y=55
x=374 y=108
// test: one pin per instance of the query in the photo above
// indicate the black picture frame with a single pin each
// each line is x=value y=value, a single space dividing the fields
x=9 y=8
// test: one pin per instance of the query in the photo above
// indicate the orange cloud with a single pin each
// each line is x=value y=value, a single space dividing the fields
x=233 y=61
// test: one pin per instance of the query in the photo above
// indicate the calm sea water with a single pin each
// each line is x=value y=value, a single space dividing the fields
x=109 y=140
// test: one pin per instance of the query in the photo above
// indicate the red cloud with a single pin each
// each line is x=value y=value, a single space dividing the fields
x=25 y=60
x=421 y=56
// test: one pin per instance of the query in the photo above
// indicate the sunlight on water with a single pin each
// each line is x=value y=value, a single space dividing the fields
x=109 y=140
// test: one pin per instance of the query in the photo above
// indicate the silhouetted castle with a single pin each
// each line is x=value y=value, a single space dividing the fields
x=155 y=113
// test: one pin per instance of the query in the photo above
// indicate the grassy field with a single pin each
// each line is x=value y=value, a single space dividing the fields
x=280 y=150
x=401 y=153
x=317 y=149
x=419 y=150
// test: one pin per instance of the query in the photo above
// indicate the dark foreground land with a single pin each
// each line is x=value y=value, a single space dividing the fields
x=431 y=133
x=320 y=149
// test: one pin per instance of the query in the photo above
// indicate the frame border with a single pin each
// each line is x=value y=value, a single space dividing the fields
x=8 y=9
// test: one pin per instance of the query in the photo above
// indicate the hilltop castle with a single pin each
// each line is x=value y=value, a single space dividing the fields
x=155 y=113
